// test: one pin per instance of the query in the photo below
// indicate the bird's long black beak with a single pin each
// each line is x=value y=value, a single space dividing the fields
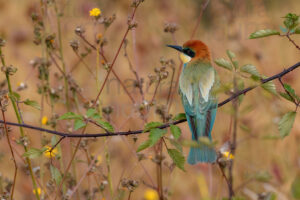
x=178 y=48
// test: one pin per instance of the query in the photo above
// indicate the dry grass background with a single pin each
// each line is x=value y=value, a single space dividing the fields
x=222 y=28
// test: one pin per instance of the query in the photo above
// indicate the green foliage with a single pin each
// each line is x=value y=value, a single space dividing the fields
x=286 y=123
x=55 y=174
x=230 y=54
x=180 y=116
x=176 y=144
x=250 y=69
x=14 y=96
x=144 y=145
x=269 y=87
x=177 y=158
x=291 y=21
x=70 y=115
x=291 y=91
x=295 y=188
x=176 y=131
x=152 y=125
x=34 y=153
x=263 y=176
x=78 y=124
x=32 y=103
x=91 y=112
x=263 y=33
x=224 y=63
x=155 y=135
x=286 y=96
x=153 y=138
x=106 y=125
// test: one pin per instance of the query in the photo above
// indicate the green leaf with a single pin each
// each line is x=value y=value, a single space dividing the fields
x=250 y=69
x=144 y=145
x=286 y=123
x=176 y=144
x=32 y=103
x=297 y=30
x=291 y=91
x=152 y=125
x=78 y=124
x=34 y=153
x=177 y=158
x=263 y=33
x=70 y=115
x=15 y=96
x=295 y=188
x=263 y=176
x=55 y=174
x=156 y=134
x=106 y=125
x=179 y=116
x=224 y=63
x=286 y=96
x=291 y=21
x=230 y=54
x=176 y=131
x=270 y=87
x=91 y=112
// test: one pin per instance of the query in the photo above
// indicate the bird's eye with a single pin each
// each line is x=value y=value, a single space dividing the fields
x=189 y=52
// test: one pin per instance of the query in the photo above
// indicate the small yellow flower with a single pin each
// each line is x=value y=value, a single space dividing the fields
x=38 y=191
x=228 y=155
x=50 y=154
x=21 y=84
x=99 y=160
x=150 y=194
x=95 y=12
x=44 y=120
x=99 y=36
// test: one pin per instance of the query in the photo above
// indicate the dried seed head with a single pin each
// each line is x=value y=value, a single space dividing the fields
x=74 y=44
x=79 y=30
x=2 y=42
x=10 y=70
x=170 y=27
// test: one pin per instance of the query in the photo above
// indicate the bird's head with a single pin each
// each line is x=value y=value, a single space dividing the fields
x=192 y=50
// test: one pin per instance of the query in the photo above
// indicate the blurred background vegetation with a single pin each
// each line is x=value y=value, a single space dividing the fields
x=263 y=162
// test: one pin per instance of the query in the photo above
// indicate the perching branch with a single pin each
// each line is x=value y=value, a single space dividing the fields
x=166 y=125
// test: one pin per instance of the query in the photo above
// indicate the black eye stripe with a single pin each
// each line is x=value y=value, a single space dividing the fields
x=189 y=52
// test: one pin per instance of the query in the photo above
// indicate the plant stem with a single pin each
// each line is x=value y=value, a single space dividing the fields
x=62 y=55
x=10 y=92
x=12 y=153
x=235 y=105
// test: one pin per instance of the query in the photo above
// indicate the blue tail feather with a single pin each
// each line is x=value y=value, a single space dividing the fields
x=201 y=126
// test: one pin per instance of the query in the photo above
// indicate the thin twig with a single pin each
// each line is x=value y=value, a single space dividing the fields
x=12 y=153
x=292 y=41
x=166 y=125
x=115 y=58
x=225 y=177
x=203 y=7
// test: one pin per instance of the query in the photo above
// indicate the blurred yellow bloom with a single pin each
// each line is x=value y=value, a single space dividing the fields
x=38 y=190
x=95 y=12
x=50 y=154
x=150 y=194
x=21 y=84
x=228 y=155
x=99 y=36
x=99 y=160
x=44 y=120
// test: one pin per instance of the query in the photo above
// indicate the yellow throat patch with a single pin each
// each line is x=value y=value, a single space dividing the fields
x=185 y=58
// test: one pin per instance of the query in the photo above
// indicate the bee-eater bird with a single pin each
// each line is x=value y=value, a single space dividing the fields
x=197 y=83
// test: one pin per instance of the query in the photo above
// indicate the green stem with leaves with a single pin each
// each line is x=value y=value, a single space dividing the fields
x=11 y=97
